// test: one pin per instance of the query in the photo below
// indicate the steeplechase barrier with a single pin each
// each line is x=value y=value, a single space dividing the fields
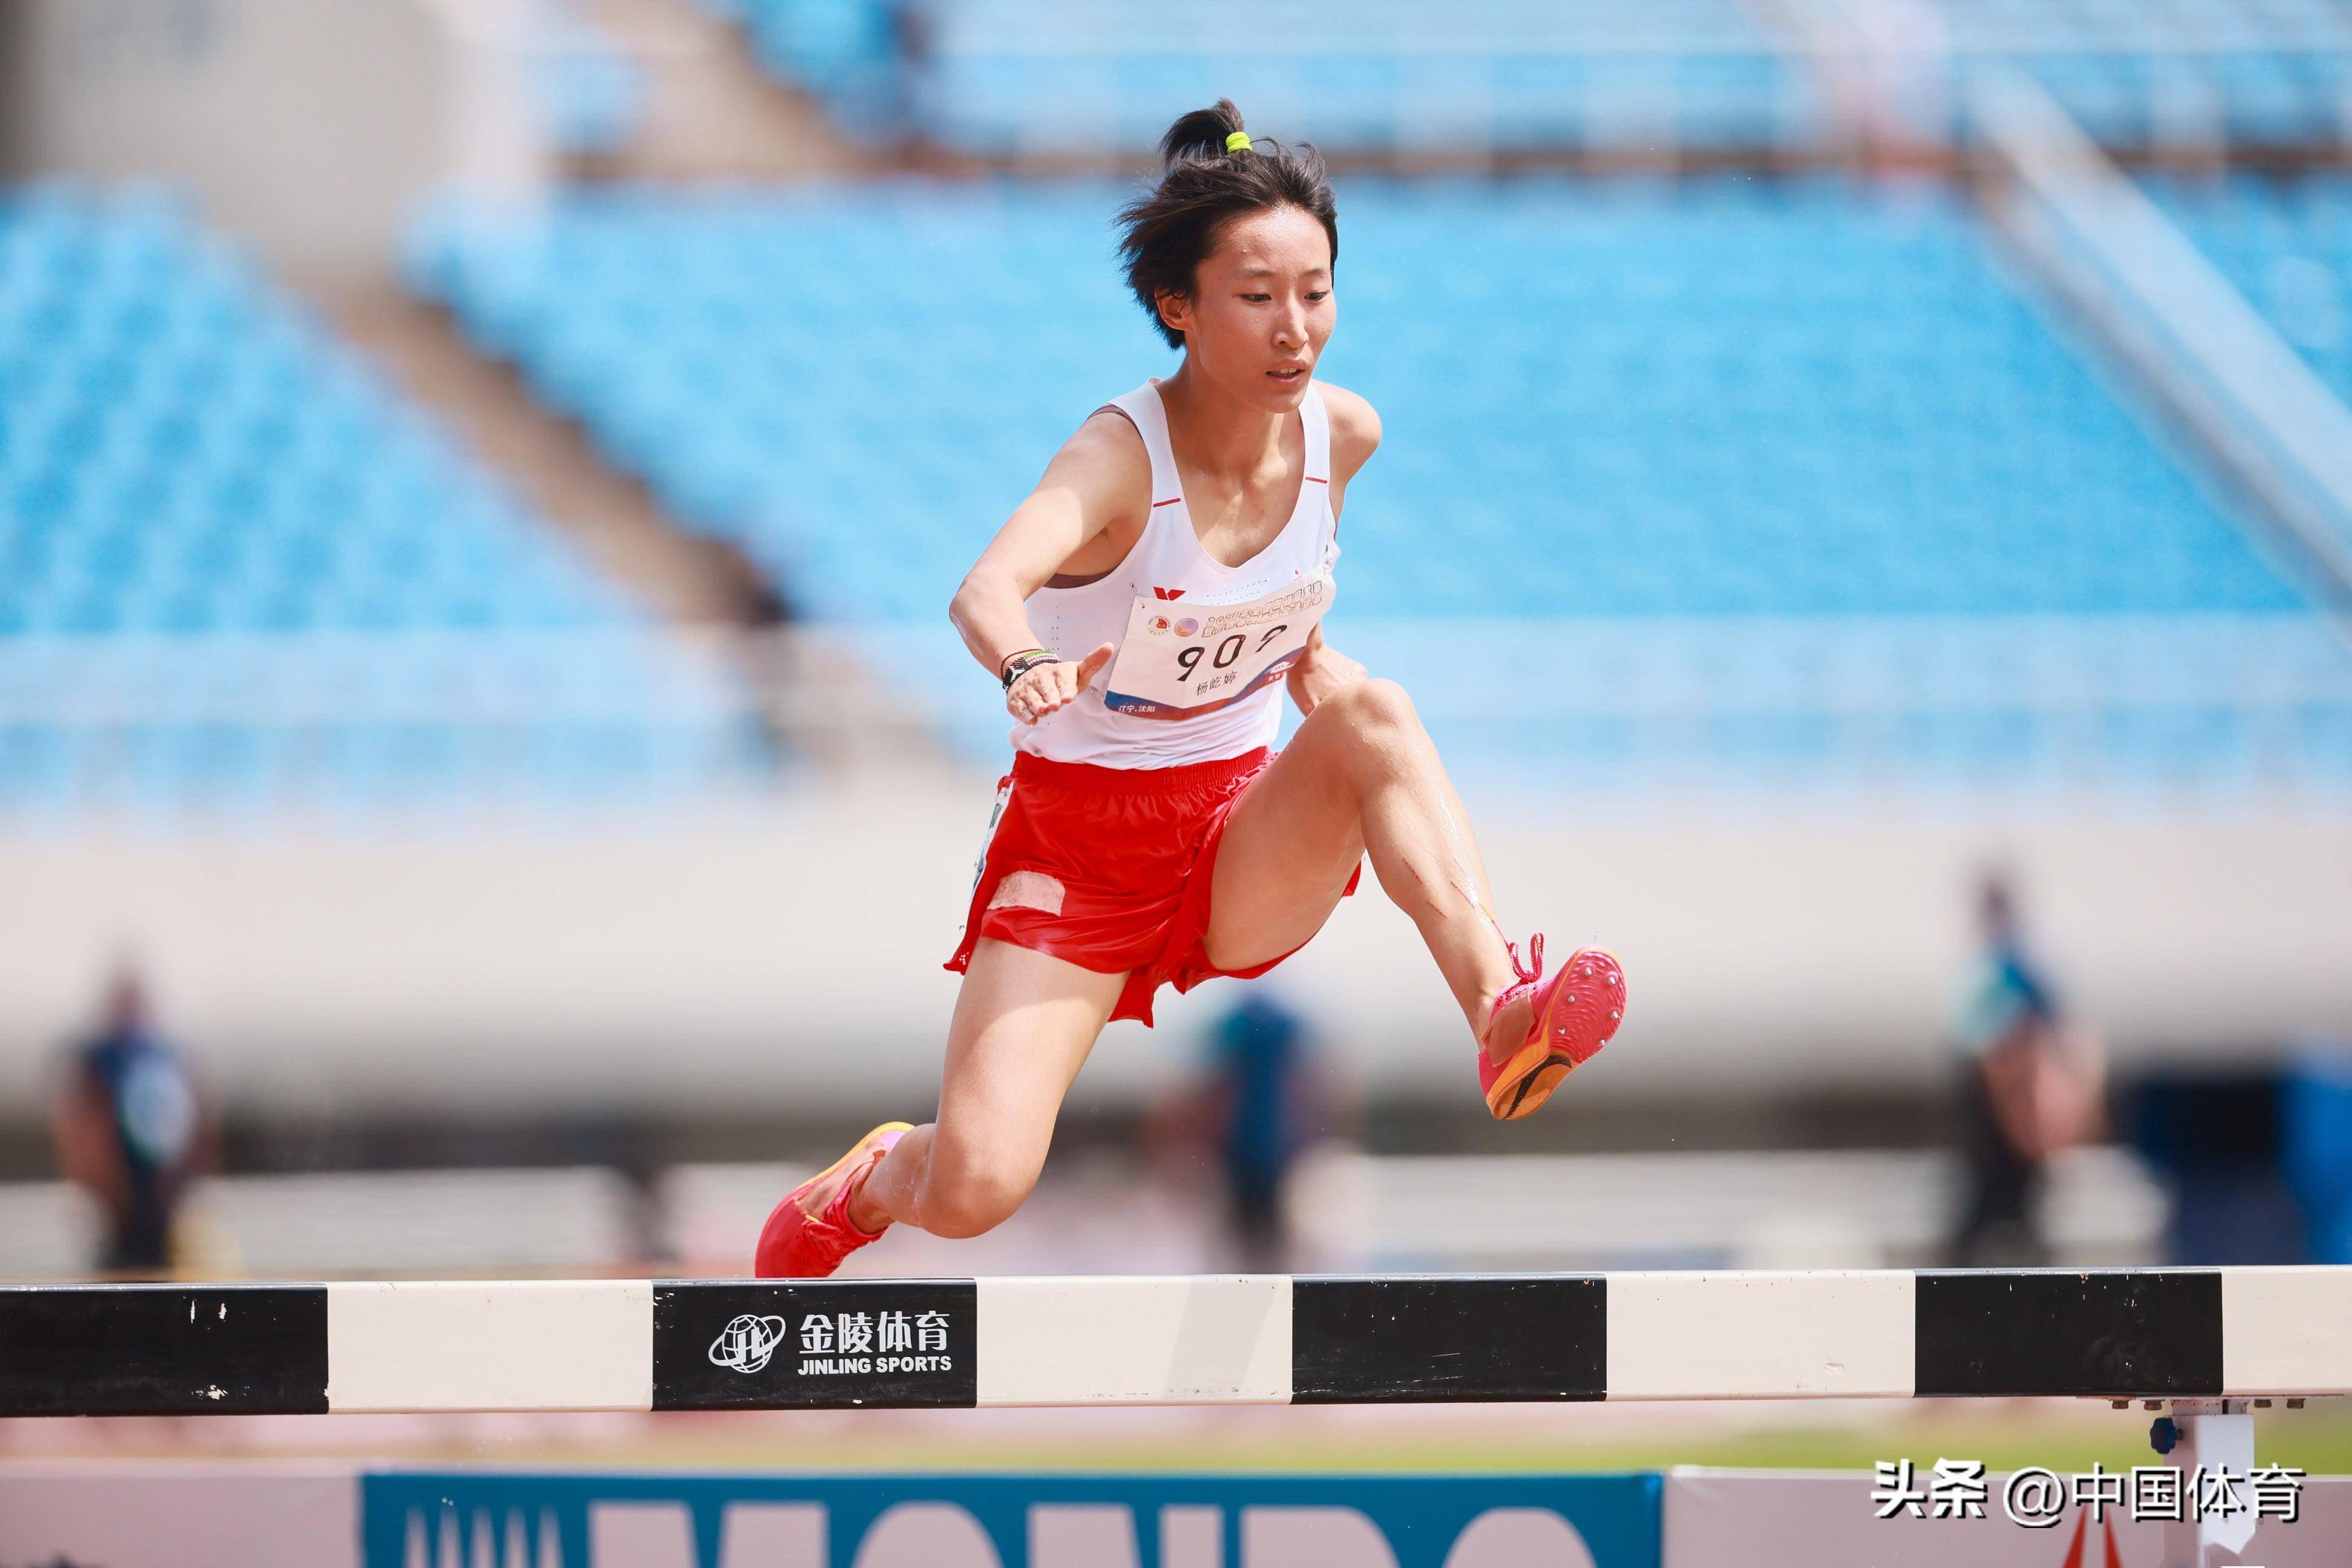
x=2205 y=1344
x=2175 y=1334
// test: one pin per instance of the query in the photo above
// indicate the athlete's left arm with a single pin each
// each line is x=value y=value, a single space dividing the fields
x=1355 y=435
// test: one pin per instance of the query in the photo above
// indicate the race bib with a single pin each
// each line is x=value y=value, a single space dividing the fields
x=1179 y=660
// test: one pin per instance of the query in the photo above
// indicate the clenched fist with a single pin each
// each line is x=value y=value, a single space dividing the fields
x=1046 y=688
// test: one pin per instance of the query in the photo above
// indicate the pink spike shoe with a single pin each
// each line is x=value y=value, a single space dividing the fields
x=807 y=1236
x=1574 y=1014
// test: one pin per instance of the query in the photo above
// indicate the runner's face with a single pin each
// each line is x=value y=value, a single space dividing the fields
x=1261 y=308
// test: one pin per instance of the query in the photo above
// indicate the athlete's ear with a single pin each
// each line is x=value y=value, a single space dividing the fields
x=1176 y=310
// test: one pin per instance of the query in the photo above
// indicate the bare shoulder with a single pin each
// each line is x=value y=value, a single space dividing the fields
x=1355 y=429
x=1104 y=461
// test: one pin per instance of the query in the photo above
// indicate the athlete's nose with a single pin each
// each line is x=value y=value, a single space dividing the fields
x=1292 y=334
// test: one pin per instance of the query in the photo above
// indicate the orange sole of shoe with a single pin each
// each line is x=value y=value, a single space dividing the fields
x=1527 y=1082
x=1593 y=1011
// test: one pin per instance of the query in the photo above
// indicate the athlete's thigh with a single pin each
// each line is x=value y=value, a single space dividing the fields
x=1290 y=844
x=1023 y=1026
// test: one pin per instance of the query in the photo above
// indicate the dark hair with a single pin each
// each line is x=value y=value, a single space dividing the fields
x=1165 y=234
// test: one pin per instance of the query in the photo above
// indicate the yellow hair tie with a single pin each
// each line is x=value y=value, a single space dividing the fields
x=1238 y=142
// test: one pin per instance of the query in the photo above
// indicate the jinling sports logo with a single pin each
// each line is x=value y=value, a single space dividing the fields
x=758 y=1344
x=747 y=1341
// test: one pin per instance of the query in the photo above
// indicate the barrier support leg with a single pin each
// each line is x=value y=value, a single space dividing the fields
x=2212 y=1434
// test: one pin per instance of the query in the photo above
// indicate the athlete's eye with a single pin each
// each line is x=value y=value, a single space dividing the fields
x=1257 y=297
x=1318 y=294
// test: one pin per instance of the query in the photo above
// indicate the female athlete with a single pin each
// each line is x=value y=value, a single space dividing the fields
x=1172 y=565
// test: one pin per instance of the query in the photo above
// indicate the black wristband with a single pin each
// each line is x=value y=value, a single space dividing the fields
x=1021 y=664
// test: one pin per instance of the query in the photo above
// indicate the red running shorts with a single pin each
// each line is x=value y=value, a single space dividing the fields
x=1097 y=867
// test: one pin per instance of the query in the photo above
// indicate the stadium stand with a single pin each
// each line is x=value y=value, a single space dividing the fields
x=1716 y=399
x=847 y=53
x=233 y=562
x=1000 y=77
x=2286 y=244
x=1722 y=435
x=588 y=89
x=1003 y=78
x=2274 y=73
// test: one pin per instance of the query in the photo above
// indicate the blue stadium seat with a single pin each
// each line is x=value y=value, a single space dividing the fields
x=1006 y=76
x=2133 y=71
x=1002 y=77
x=192 y=466
x=2286 y=244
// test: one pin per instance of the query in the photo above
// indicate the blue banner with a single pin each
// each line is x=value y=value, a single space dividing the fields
x=478 y=1519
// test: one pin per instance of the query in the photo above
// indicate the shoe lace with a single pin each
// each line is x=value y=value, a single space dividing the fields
x=834 y=1220
x=1527 y=976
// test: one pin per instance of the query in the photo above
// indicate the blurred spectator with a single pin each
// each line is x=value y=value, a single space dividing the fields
x=2217 y=1133
x=2317 y=1139
x=130 y=1126
x=1256 y=1104
x=2031 y=1087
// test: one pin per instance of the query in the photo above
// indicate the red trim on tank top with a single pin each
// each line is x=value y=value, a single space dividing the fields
x=1171 y=500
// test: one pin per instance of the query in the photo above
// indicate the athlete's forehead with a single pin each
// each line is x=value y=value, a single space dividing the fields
x=1281 y=242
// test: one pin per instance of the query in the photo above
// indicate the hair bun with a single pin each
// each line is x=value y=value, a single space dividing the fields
x=1203 y=133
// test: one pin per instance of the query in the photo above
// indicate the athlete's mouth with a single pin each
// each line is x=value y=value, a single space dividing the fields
x=1290 y=376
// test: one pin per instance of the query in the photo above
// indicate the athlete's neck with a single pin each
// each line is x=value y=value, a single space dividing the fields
x=1223 y=438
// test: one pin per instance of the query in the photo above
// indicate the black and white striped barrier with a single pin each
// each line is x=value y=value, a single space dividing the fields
x=740 y=1344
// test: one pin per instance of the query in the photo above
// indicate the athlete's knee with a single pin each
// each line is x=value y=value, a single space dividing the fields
x=1374 y=701
x=1372 y=705
x=972 y=1201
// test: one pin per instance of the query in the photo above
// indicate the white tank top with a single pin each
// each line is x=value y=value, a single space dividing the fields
x=1169 y=567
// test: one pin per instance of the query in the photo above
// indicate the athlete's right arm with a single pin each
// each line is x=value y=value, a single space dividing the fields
x=1098 y=481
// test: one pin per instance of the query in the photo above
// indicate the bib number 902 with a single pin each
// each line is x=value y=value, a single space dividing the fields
x=1176 y=662
x=1188 y=659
